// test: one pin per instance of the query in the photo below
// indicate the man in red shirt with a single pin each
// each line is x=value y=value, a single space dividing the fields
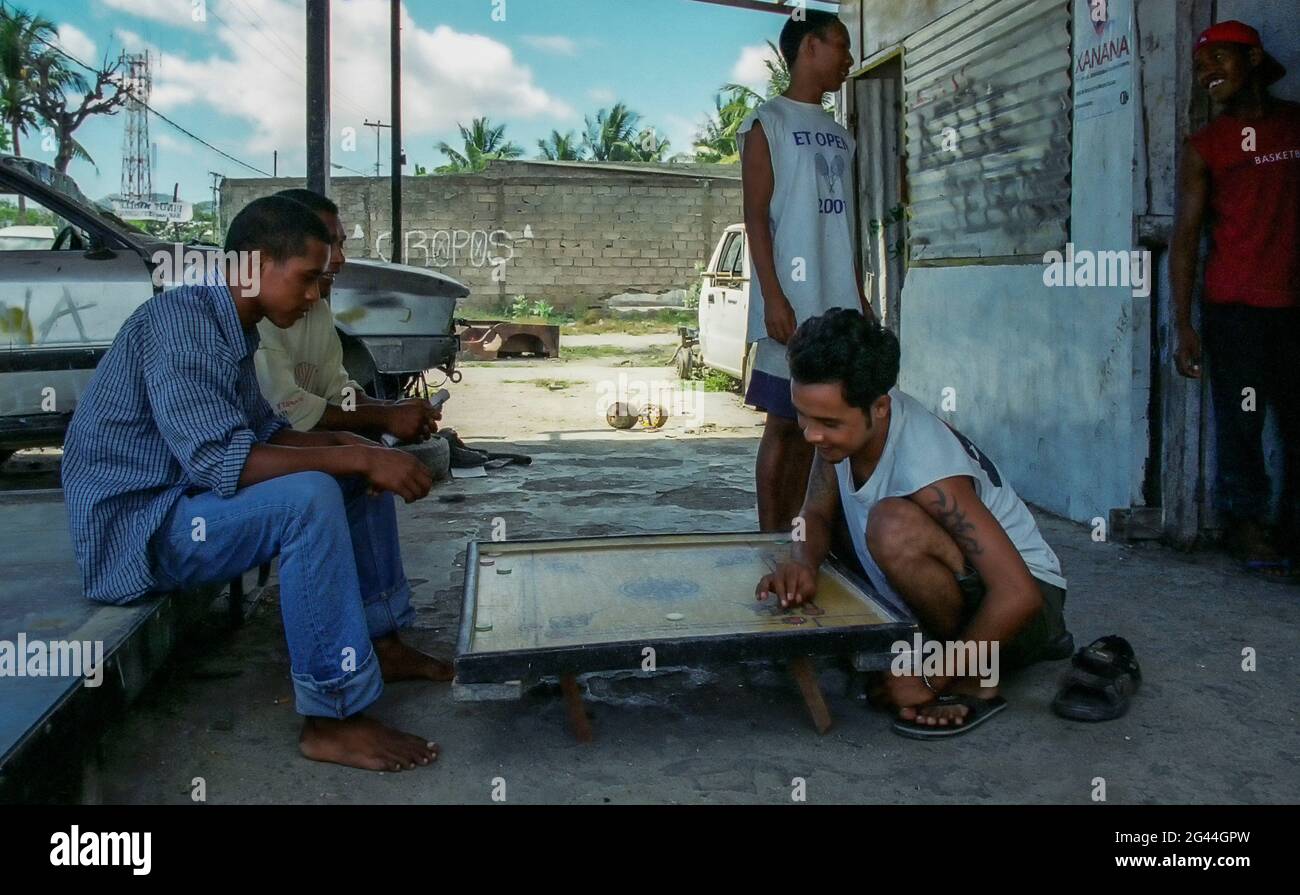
x=1242 y=174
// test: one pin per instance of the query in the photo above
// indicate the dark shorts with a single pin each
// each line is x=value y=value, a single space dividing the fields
x=1044 y=638
x=770 y=394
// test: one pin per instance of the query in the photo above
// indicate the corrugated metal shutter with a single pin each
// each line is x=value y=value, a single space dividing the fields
x=997 y=72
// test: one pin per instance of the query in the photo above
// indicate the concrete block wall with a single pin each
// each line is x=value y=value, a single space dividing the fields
x=571 y=235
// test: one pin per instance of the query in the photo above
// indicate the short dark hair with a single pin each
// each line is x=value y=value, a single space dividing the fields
x=275 y=225
x=844 y=346
x=799 y=26
x=312 y=199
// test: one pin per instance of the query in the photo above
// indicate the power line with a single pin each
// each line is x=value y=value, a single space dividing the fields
x=266 y=57
x=270 y=57
x=293 y=50
x=296 y=53
x=346 y=168
x=178 y=127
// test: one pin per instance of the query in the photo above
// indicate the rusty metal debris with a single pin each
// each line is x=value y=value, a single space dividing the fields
x=498 y=339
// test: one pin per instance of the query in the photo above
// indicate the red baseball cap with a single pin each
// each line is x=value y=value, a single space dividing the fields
x=1234 y=32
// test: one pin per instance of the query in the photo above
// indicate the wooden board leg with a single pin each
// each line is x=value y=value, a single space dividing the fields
x=578 y=722
x=805 y=674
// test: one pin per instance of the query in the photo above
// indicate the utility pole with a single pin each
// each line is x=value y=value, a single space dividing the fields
x=395 y=100
x=318 y=96
x=376 y=125
x=216 y=216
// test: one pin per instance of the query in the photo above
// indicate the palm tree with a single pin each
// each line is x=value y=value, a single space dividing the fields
x=561 y=147
x=483 y=143
x=647 y=147
x=612 y=135
x=778 y=81
x=21 y=44
x=778 y=78
x=717 y=142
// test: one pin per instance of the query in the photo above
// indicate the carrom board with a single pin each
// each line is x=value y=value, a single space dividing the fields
x=547 y=607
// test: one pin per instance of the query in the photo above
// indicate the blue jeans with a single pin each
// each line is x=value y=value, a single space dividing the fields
x=341 y=577
x=1255 y=348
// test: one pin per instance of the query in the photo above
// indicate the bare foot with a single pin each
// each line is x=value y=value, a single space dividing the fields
x=400 y=662
x=935 y=715
x=361 y=742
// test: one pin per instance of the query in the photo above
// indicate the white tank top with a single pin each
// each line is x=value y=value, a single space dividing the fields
x=811 y=210
x=921 y=449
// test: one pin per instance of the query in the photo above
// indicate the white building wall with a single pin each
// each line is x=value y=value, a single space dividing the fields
x=1045 y=375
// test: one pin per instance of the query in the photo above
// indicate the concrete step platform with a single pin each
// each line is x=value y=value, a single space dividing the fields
x=50 y=723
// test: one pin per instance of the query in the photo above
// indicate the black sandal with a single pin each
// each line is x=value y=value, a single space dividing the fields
x=1099 y=686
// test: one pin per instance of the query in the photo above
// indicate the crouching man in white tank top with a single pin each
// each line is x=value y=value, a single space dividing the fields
x=931 y=520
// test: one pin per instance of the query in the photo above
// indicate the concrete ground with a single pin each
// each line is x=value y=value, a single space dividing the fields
x=1201 y=729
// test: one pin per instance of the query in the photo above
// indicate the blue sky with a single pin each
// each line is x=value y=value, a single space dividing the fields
x=236 y=79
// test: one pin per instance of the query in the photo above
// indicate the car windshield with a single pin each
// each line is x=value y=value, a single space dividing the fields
x=67 y=187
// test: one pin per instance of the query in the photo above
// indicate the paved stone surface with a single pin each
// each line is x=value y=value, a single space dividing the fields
x=1201 y=729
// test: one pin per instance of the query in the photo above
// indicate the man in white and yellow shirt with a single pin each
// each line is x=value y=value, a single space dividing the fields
x=300 y=370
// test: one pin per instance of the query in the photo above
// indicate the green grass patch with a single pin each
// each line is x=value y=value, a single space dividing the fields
x=655 y=356
x=717 y=381
x=665 y=320
x=586 y=352
x=592 y=321
x=554 y=385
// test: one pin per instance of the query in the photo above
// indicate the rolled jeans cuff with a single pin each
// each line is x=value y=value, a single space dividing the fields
x=341 y=697
x=388 y=611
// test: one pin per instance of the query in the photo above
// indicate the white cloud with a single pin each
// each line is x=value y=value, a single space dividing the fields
x=448 y=77
x=172 y=144
x=680 y=131
x=601 y=95
x=750 y=69
x=180 y=13
x=78 y=43
x=552 y=43
x=130 y=40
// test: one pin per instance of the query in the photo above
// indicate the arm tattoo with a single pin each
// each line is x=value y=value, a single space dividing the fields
x=953 y=519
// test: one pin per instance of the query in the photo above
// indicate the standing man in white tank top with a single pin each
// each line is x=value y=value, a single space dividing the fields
x=797 y=174
x=930 y=517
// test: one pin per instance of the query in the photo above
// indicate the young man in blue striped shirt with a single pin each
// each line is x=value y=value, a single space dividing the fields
x=177 y=473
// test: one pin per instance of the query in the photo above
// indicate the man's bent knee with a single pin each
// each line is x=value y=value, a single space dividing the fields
x=896 y=526
x=309 y=493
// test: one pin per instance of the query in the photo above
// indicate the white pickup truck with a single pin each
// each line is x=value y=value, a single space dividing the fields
x=719 y=343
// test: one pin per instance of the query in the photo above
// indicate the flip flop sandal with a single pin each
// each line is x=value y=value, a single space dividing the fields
x=520 y=459
x=977 y=712
x=465 y=458
x=1099 y=686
